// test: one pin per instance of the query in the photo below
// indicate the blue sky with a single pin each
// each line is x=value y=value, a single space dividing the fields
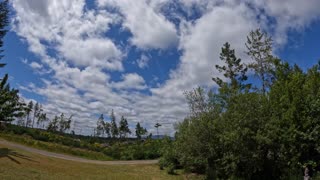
x=138 y=57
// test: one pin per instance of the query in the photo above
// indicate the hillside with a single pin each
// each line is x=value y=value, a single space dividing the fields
x=20 y=164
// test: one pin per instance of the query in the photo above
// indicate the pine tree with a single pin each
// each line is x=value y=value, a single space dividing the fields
x=124 y=128
x=40 y=116
x=4 y=21
x=107 y=128
x=10 y=106
x=113 y=126
x=35 y=113
x=259 y=46
x=28 y=111
x=100 y=126
x=127 y=130
x=233 y=69
x=64 y=123
x=53 y=125
x=42 y=119
x=138 y=127
x=140 y=131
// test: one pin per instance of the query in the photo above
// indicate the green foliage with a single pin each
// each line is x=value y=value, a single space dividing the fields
x=64 y=123
x=140 y=131
x=100 y=126
x=41 y=119
x=4 y=21
x=56 y=147
x=168 y=158
x=248 y=134
x=10 y=105
x=170 y=169
x=54 y=124
x=28 y=110
x=124 y=128
x=107 y=128
x=259 y=46
x=124 y=149
x=113 y=125
x=295 y=99
x=35 y=113
x=233 y=68
x=149 y=149
x=60 y=124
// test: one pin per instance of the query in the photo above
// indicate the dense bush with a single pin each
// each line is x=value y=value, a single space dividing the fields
x=168 y=160
x=148 y=149
x=245 y=132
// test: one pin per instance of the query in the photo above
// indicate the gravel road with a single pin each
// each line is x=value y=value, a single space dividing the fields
x=73 y=158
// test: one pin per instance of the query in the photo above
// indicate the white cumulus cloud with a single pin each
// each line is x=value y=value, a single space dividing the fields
x=130 y=81
x=150 y=28
x=70 y=40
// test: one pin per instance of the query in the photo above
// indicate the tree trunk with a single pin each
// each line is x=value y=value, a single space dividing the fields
x=27 y=120
x=210 y=169
x=306 y=174
x=33 y=122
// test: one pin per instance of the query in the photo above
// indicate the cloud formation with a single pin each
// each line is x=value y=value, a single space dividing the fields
x=130 y=81
x=71 y=41
x=150 y=28
x=143 y=61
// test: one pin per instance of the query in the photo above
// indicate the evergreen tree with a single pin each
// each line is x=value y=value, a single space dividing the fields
x=53 y=125
x=64 y=123
x=100 y=126
x=107 y=128
x=60 y=123
x=259 y=46
x=40 y=116
x=138 y=127
x=140 y=131
x=35 y=113
x=233 y=69
x=10 y=105
x=28 y=110
x=123 y=127
x=4 y=20
x=41 y=119
x=268 y=134
x=113 y=126
x=20 y=121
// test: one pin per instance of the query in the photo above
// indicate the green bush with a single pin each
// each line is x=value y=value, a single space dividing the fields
x=124 y=149
x=170 y=169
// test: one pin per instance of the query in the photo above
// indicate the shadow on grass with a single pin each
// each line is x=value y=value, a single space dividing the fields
x=13 y=156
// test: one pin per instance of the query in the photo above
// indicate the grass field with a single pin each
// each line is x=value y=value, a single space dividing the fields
x=54 y=147
x=17 y=164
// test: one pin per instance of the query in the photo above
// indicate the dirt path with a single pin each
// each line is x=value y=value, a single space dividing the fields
x=73 y=158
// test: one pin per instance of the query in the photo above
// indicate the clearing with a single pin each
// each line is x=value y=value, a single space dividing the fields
x=21 y=162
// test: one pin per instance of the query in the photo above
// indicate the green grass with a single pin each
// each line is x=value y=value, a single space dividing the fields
x=17 y=164
x=54 y=147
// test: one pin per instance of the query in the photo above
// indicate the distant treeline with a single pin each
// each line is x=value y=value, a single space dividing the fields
x=34 y=126
x=112 y=148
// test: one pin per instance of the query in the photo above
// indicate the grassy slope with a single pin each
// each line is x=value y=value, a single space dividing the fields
x=17 y=164
x=54 y=147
